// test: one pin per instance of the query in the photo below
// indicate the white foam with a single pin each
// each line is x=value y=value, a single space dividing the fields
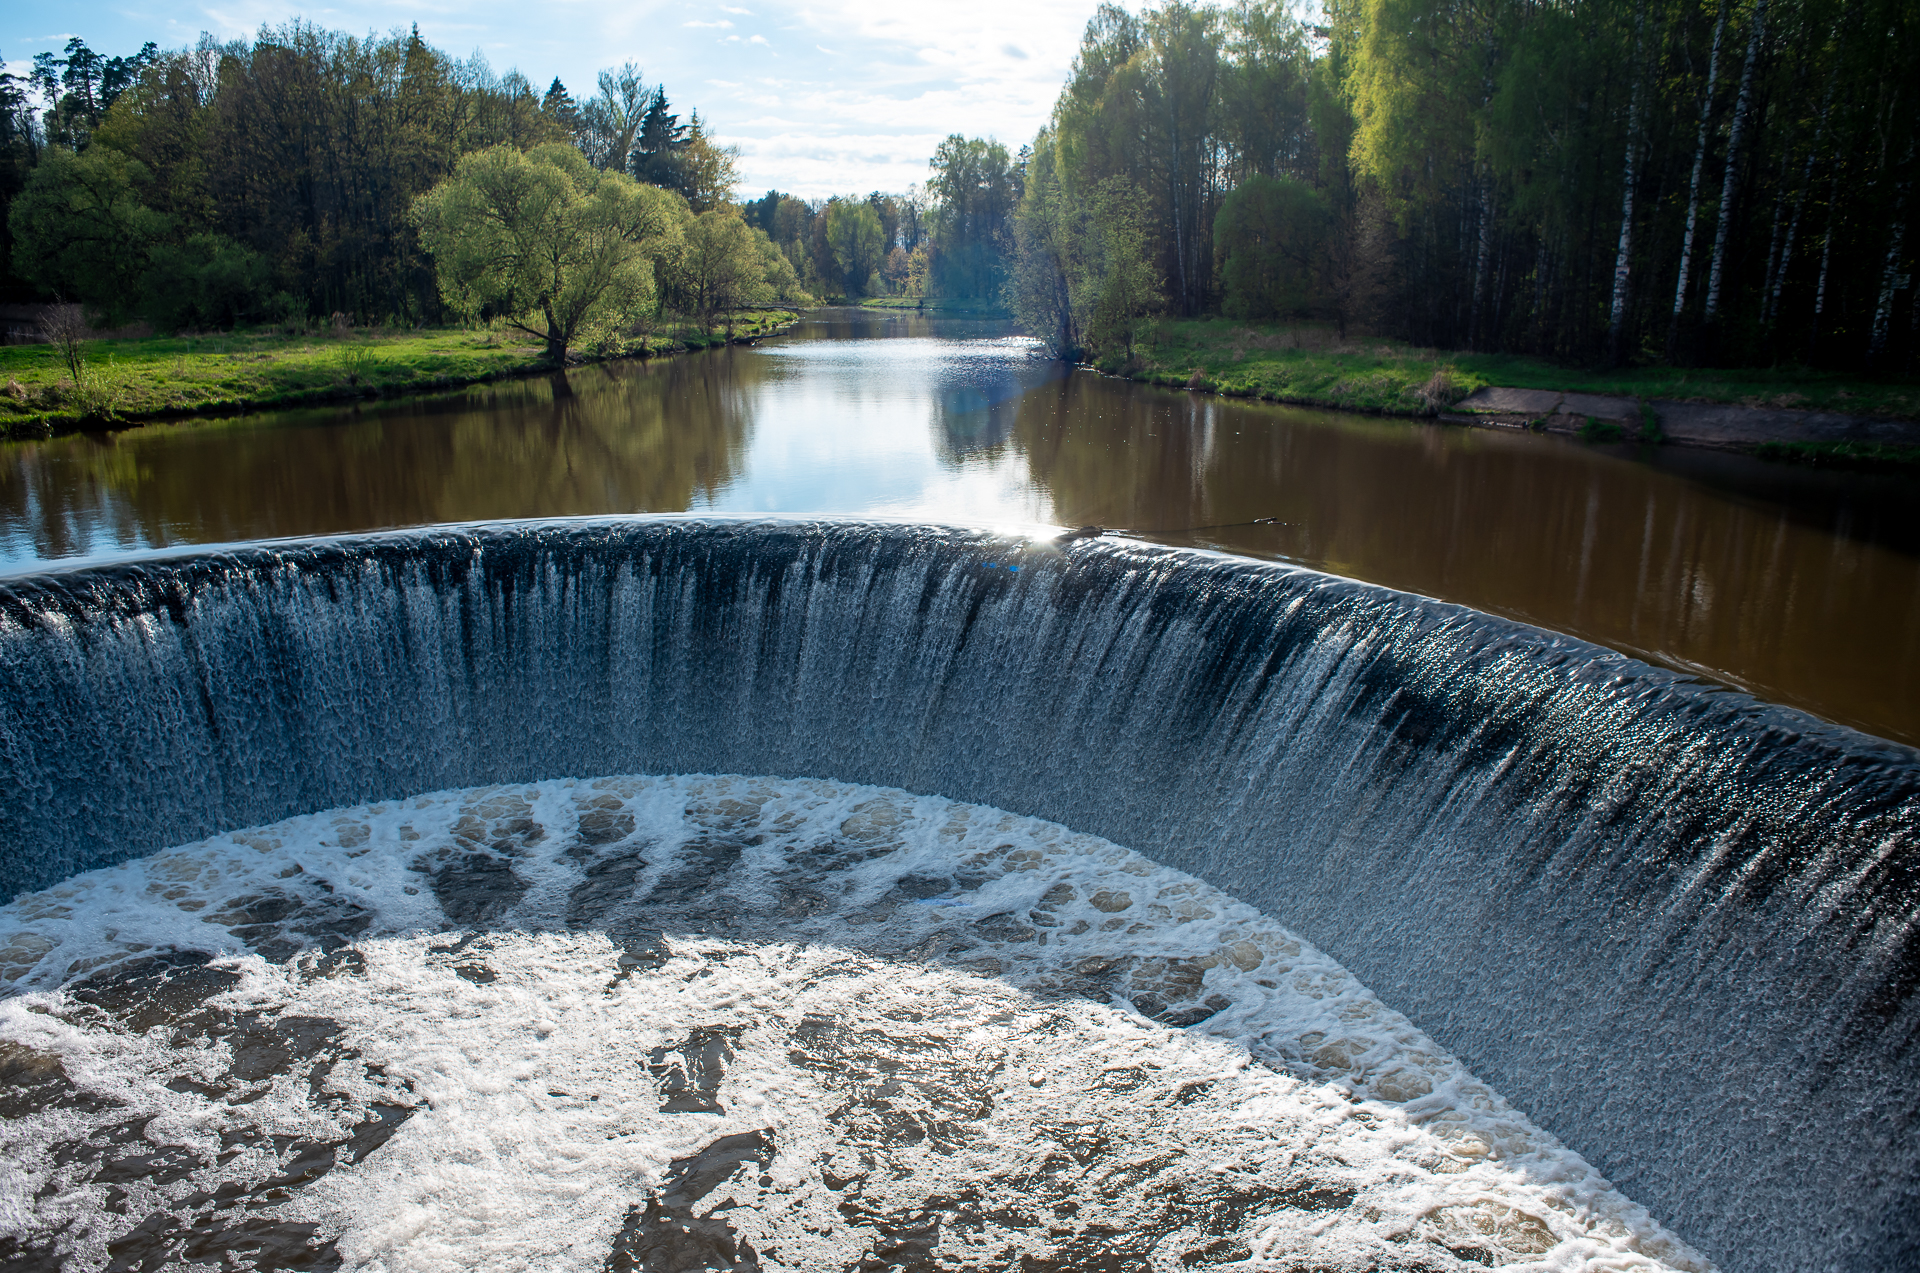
x=539 y=1123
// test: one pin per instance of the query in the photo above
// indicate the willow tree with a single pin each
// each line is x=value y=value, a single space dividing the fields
x=545 y=240
x=719 y=267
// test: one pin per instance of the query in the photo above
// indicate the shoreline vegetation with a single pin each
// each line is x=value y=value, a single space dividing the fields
x=1222 y=199
x=1311 y=365
x=140 y=380
x=1382 y=376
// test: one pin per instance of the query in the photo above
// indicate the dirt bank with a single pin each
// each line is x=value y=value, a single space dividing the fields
x=1723 y=426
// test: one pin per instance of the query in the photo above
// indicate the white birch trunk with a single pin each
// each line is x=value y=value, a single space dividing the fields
x=1622 y=260
x=1826 y=259
x=1729 y=185
x=1474 y=335
x=1891 y=279
x=1773 y=235
x=1772 y=311
x=1699 y=163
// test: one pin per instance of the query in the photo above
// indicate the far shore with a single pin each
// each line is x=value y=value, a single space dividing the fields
x=1788 y=415
x=1785 y=414
x=140 y=380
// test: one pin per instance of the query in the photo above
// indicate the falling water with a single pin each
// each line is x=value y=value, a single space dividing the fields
x=1673 y=925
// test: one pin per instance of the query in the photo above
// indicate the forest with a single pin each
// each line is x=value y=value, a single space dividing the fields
x=1688 y=181
x=1600 y=182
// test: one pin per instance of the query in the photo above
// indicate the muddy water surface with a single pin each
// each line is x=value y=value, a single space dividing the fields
x=1801 y=586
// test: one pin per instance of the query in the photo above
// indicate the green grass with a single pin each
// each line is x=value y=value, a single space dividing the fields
x=1876 y=457
x=1795 y=387
x=1309 y=364
x=161 y=376
x=936 y=305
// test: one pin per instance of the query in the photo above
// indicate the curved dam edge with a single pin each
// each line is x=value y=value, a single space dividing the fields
x=1673 y=924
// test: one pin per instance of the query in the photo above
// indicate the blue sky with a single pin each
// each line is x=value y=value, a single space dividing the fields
x=834 y=96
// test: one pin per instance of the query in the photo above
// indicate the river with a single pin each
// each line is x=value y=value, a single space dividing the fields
x=1800 y=586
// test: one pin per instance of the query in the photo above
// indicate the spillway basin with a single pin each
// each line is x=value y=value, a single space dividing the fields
x=639 y=1023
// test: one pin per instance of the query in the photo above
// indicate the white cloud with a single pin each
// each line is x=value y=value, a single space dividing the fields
x=992 y=67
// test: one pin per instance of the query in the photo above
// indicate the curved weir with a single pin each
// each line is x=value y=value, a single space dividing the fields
x=1674 y=926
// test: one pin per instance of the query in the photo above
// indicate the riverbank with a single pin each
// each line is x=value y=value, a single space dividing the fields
x=1784 y=414
x=166 y=377
x=939 y=306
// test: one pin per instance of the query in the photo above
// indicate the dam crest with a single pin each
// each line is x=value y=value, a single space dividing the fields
x=1675 y=926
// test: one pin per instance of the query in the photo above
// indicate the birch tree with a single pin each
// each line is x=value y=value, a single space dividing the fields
x=1730 y=183
x=1623 y=256
x=1891 y=278
x=1693 y=185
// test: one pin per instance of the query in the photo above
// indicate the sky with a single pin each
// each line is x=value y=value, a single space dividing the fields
x=829 y=97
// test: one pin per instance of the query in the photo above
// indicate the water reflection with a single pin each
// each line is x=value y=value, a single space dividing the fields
x=1809 y=595
x=624 y=437
x=1802 y=586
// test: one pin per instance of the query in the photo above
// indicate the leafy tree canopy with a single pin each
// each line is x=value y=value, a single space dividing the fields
x=1271 y=237
x=80 y=230
x=545 y=240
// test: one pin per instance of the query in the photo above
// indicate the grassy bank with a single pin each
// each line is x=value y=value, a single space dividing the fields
x=163 y=376
x=1312 y=366
x=936 y=305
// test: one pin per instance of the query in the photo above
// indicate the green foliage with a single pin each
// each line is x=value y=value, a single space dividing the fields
x=79 y=230
x=718 y=267
x=1870 y=457
x=777 y=272
x=95 y=394
x=167 y=376
x=1650 y=430
x=975 y=188
x=1506 y=176
x=1083 y=273
x=359 y=364
x=1271 y=238
x=543 y=239
x=309 y=149
x=858 y=243
x=209 y=281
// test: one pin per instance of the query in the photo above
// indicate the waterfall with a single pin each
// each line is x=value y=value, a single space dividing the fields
x=1675 y=925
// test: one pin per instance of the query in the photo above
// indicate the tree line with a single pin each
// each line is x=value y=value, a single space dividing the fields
x=1715 y=181
x=1694 y=181
x=282 y=179
x=946 y=238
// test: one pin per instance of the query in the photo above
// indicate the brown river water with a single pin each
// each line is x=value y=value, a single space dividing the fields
x=1802 y=587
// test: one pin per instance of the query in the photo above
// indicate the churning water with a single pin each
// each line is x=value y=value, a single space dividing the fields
x=1675 y=927
x=691 y=1023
